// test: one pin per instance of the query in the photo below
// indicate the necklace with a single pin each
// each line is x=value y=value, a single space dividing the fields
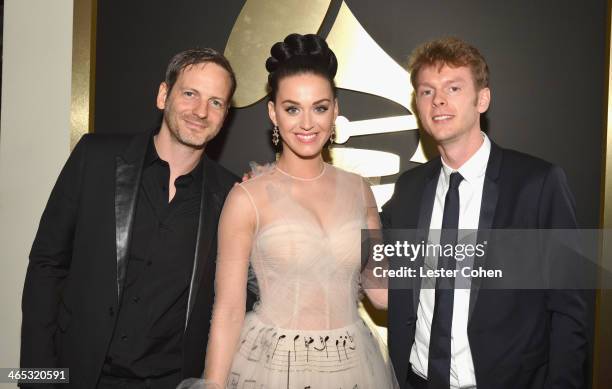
x=301 y=178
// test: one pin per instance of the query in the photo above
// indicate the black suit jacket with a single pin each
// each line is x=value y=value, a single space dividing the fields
x=78 y=261
x=518 y=338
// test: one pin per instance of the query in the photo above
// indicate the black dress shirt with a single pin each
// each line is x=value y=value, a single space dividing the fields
x=147 y=340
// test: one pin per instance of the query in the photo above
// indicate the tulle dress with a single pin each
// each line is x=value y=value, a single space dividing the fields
x=305 y=330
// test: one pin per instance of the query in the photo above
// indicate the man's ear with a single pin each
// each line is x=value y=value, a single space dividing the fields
x=484 y=99
x=162 y=94
x=272 y=112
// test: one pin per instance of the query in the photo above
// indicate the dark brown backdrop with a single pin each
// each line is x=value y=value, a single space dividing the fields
x=548 y=63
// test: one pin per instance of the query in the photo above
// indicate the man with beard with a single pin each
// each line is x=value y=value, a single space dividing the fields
x=119 y=287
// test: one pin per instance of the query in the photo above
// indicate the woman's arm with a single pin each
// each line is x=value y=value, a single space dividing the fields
x=375 y=289
x=237 y=226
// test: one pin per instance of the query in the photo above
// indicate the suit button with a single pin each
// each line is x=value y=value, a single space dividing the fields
x=111 y=311
x=135 y=300
x=124 y=337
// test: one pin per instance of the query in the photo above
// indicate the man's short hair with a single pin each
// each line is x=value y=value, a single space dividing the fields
x=452 y=52
x=197 y=56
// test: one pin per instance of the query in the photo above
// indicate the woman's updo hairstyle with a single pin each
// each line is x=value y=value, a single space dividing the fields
x=299 y=54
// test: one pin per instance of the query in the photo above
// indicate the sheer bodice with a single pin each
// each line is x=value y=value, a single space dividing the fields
x=306 y=251
x=297 y=242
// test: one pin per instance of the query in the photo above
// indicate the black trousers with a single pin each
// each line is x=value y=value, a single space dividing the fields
x=167 y=382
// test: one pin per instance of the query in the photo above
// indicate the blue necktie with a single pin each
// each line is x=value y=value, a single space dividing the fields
x=438 y=370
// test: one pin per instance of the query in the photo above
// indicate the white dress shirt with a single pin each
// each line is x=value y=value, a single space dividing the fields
x=470 y=196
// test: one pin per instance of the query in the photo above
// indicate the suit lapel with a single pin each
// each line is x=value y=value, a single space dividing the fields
x=210 y=209
x=425 y=210
x=490 y=195
x=128 y=170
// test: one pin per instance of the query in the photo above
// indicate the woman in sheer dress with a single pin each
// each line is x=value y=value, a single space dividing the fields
x=298 y=224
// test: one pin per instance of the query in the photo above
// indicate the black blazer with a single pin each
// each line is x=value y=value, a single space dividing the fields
x=78 y=261
x=518 y=338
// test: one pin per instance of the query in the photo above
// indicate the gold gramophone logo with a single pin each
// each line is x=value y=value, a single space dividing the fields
x=261 y=23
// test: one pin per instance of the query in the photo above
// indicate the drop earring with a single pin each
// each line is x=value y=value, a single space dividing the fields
x=275 y=136
x=332 y=136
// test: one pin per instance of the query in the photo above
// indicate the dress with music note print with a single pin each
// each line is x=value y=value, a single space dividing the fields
x=305 y=331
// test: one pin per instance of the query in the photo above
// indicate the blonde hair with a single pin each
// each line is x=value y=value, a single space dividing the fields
x=449 y=51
